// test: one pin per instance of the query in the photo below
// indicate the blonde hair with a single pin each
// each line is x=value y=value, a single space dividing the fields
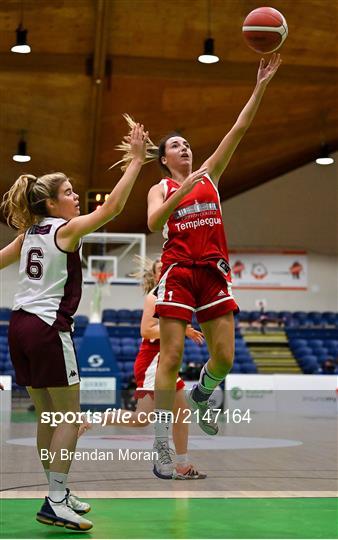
x=151 y=148
x=146 y=272
x=24 y=204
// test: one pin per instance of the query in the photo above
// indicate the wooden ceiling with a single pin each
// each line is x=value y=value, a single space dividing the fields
x=93 y=60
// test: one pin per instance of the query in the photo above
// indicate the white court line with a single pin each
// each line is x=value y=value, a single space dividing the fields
x=34 y=494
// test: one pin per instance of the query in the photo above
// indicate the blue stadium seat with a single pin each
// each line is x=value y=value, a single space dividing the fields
x=243 y=316
x=127 y=341
x=126 y=331
x=248 y=368
x=254 y=316
x=311 y=366
x=284 y=316
x=302 y=351
x=128 y=367
x=109 y=316
x=5 y=314
x=116 y=350
x=301 y=317
x=236 y=368
x=321 y=354
x=124 y=316
x=3 y=329
x=80 y=324
x=329 y=317
x=298 y=342
x=243 y=358
x=315 y=317
x=306 y=359
x=316 y=343
x=137 y=316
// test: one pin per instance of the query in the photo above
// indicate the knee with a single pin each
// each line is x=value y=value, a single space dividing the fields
x=224 y=356
x=171 y=358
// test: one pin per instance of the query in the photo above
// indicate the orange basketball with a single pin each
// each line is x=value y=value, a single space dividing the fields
x=265 y=29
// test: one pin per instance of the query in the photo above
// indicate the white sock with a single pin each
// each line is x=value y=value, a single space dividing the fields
x=182 y=459
x=162 y=424
x=57 y=486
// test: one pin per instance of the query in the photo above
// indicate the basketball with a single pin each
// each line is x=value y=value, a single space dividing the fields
x=265 y=29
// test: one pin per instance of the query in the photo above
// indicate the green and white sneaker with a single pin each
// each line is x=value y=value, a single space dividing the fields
x=206 y=416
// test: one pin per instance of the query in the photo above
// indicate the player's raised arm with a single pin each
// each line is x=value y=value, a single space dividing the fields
x=11 y=253
x=70 y=234
x=218 y=161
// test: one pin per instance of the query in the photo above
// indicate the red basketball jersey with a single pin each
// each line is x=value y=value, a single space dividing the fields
x=150 y=345
x=194 y=231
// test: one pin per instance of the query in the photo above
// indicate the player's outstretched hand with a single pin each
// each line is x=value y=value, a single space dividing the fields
x=193 y=179
x=266 y=72
x=195 y=335
x=137 y=139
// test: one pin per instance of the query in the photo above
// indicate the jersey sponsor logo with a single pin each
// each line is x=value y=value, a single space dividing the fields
x=196 y=208
x=72 y=373
x=40 y=229
x=209 y=222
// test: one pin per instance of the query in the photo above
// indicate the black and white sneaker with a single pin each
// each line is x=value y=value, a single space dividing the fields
x=61 y=515
x=206 y=416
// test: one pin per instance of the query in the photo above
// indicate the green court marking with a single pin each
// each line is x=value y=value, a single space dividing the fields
x=183 y=518
x=19 y=417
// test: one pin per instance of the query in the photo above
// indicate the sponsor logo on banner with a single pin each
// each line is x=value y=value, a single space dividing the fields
x=277 y=270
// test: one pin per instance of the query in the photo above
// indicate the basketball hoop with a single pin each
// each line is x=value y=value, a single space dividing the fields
x=102 y=277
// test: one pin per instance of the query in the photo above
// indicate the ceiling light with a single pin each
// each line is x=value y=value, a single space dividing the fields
x=208 y=56
x=21 y=46
x=22 y=156
x=324 y=156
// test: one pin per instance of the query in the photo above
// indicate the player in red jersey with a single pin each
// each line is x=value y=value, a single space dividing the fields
x=145 y=369
x=195 y=273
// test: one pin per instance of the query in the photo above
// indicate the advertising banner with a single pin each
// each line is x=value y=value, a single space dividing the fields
x=275 y=270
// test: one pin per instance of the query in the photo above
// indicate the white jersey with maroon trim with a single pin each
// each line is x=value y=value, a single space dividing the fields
x=194 y=231
x=50 y=280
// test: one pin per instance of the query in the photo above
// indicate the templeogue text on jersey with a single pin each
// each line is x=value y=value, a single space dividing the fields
x=120 y=454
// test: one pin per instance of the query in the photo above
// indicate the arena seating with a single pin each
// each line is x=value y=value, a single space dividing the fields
x=313 y=338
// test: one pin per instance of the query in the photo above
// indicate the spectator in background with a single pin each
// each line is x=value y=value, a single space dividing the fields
x=329 y=366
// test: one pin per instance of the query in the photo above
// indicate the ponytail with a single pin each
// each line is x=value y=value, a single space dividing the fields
x=24 y=204
x=151 y=148
x=146 y=272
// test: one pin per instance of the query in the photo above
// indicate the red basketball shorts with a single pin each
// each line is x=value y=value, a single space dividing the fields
x=145 y=370
x=201 y=289
x=42 y=356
